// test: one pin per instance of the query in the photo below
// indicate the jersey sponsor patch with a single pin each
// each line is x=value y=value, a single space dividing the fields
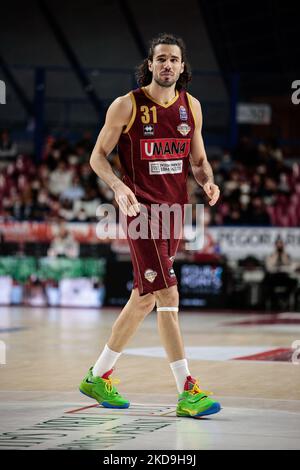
x=164 y=168
x=164 y=148
x=150 y=275
x=148 y=130
x=183 y=114
x=183 y=128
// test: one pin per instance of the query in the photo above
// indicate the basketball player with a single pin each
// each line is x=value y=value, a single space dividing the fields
x=158 y=131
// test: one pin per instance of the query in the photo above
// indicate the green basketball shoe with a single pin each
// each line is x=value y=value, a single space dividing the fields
x=194 y=403
x=103 y=390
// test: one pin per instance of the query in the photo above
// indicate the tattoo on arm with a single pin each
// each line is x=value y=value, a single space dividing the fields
x=203 y=173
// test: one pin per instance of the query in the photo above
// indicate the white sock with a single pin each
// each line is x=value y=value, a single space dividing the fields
x=106 y=361
x=181 y=372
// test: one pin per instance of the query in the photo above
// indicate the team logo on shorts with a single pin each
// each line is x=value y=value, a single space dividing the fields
x=183 y=128
x=148 y=130
x=150 y=275
x=172 y=272
x=182 y=113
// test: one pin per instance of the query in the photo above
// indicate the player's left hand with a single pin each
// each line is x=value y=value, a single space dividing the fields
x=212 y=191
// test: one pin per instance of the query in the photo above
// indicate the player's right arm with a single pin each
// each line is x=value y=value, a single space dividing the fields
x=117 y=117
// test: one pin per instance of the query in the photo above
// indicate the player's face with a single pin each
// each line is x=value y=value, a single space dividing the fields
x=166 y=66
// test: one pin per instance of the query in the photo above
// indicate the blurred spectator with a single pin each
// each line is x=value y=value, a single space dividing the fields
x=8 y=148
x=234 y=217
x=41 y=206
x=66 y=210
x=2 y=244
x=86 y=143
x=64 y=244
x=105 y=192
x=55 y=207
x=233 y=182
x=35 y=292
x=279 y=285
x=73 y=192
x=88 y=204
x=60 y=179
x=257 y=213
x=258 y=187
x=87 y=176
x=279 y=260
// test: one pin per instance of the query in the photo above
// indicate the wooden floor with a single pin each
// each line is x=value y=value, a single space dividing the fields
x=48 y=351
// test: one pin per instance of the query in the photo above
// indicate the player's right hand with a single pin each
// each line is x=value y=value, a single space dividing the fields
x=126 y=200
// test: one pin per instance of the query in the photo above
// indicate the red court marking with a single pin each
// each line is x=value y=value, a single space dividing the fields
x=266 y=321
x=80 y=409
x=151 y=413
x=280 y=354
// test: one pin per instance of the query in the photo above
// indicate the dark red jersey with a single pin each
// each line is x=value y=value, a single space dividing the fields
x=154 y=149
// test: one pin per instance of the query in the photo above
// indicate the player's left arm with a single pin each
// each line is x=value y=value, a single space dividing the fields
x=200 y=166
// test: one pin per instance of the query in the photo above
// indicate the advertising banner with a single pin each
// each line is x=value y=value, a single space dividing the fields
x=233 y=242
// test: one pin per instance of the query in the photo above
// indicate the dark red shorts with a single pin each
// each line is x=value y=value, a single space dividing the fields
x=153 y=257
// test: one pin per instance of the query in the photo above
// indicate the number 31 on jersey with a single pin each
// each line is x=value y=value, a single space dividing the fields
x=146 y=118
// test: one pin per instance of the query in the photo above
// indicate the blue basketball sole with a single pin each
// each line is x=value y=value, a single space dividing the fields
x=105 y=404
x=215 y=408
x=212 y=410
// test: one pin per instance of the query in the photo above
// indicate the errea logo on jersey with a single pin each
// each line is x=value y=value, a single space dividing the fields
x=148 y=130
x=161 y=149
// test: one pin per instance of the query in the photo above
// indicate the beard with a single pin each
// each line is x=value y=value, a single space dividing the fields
x=165 y=84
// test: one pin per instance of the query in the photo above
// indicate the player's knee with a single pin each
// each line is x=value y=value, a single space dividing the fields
x=146 y=303
x=167 y=297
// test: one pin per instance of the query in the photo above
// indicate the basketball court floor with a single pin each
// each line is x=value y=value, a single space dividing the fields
x=249 y=361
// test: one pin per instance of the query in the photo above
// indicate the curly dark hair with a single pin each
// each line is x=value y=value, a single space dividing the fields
x=143 y=74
